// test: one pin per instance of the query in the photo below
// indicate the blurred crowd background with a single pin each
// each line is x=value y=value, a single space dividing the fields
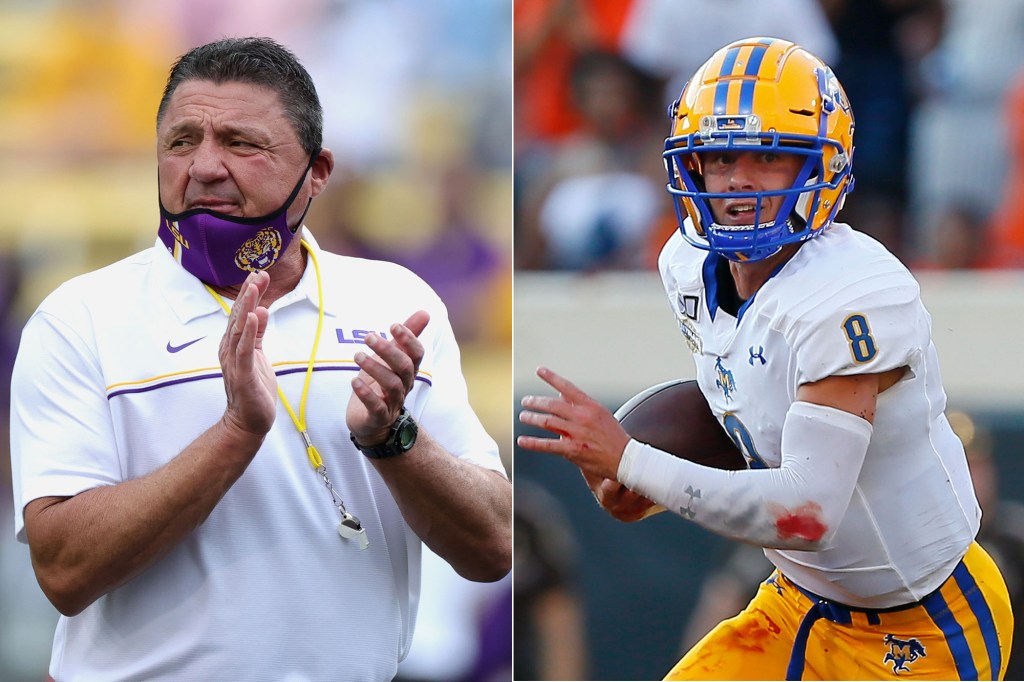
x=935 y=87
x=417 y=99
x=937 y=90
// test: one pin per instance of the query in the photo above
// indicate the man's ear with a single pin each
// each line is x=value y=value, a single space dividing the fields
x=323 y=166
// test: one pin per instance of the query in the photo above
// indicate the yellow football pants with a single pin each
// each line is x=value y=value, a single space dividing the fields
x=962 y=631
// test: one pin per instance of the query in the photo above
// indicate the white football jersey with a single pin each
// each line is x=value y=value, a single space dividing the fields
x=842 y=305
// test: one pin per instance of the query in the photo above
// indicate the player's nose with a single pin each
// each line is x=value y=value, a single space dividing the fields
x=742 y=173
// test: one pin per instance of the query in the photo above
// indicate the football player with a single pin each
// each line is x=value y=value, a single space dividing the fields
x=814 y=351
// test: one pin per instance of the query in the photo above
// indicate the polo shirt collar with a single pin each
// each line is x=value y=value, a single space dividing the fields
x=190 y=300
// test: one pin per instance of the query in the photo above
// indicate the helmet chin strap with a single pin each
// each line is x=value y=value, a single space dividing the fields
x=792 y=223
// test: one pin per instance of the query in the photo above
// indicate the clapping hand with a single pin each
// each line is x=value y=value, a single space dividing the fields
x=385 y=379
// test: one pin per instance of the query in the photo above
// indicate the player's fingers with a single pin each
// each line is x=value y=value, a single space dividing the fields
x=612 y=488
x=555 y=406
x=562 y=385
x=552 y=446
x=547 y=422
x=593 y=480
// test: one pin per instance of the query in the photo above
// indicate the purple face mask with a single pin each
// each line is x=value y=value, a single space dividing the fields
x=221 y=249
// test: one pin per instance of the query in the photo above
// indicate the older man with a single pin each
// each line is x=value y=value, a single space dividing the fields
x=251 y=509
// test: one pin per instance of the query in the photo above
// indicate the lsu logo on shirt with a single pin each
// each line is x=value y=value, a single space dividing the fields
x=355 y=335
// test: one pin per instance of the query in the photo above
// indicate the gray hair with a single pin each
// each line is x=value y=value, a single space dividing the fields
x=259 y=61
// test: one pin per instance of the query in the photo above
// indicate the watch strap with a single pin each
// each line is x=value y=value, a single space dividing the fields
x=401 y=437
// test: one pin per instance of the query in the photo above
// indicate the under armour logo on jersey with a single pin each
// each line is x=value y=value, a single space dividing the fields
x=902 y=652
x=724 y=380
x=759 y=355
x=774 y=583
x=688 y=511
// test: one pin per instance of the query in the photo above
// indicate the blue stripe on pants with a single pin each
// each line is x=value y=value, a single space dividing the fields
x=946 y=621
x=976 y=600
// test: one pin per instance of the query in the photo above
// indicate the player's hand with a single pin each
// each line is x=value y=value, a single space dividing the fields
x=249 y=379
x=385 y=379
x=619 y=501
x=589 y=436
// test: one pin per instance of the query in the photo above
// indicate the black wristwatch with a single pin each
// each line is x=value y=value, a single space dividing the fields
x=401 y=438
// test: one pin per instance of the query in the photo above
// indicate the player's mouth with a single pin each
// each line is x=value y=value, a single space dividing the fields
x=742 y=214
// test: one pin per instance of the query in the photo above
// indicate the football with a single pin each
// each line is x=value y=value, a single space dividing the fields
x=674 y=417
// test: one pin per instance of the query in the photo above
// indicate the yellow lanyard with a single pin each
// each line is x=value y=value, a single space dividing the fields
x=299 y=421
x=349 y=526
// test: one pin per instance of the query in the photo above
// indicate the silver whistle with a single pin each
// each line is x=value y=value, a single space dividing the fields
x=351 y=528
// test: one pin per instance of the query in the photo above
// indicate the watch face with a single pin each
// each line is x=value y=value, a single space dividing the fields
x=406 y=436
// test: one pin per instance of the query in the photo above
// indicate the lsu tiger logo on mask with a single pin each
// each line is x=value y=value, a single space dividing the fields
x=260 y=252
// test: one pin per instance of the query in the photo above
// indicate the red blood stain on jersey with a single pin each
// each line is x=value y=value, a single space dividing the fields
x=803 y=522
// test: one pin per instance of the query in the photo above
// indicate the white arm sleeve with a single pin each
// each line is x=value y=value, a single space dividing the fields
x=796 y=506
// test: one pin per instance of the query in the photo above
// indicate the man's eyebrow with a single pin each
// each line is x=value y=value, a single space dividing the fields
x=180 y=127
x=226 y=130
x=248 y=132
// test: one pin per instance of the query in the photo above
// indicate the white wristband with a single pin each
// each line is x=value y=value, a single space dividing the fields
x=823 y=450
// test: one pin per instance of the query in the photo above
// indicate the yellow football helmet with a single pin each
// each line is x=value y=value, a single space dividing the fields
x=773 y=95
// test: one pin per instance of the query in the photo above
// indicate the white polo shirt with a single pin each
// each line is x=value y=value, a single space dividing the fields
x=118 y=372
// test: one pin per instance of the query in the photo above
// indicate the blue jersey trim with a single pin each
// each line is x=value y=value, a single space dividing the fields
x=711 y=284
